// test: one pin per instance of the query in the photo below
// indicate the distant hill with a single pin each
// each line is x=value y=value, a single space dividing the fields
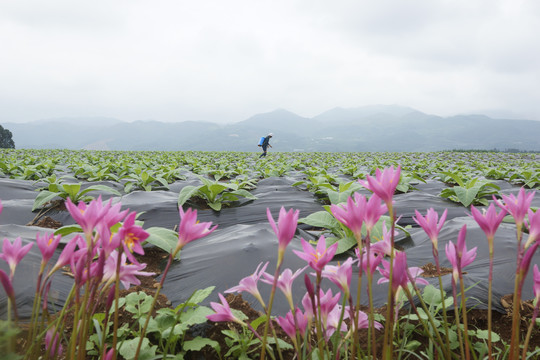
x=368 y=128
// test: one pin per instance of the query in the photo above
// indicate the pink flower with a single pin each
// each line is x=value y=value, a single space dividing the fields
x=489 y=220
x=517 y=207
x=536 y=286
x=340 y=275
x=400 y=273
x=66 y=255
x=317 y=258
x=223 y=312
x=526 y=262
x=8 y=286
x=190 y=229
x=47 y=244
x=286 y=226
x=332 y=322
x=534 y=227
x=458 y=255
x=384 y=246
x=249 y=284
x=284 y=281
x=13 y=253
x=351 y=214
x=52 y=344
x=88 y=216
x=363 y=320
x=328 y=303
x=431 y=224
x=128 y=272
x=384 y=183
x=375 y=258
x=131 y=236
x=288 y=325
x=374 y=210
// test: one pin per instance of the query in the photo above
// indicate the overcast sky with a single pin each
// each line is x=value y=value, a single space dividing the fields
x=226 y=60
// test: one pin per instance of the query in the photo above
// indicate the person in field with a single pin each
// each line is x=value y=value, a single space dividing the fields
x=265 y=144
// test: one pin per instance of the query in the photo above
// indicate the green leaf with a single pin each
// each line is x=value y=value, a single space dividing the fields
x=68 y=229
x=198 y=343
x=187 y=193
x=99 y=187
x=43 y=198
x=431 y=295
x=244 y=193
x=128 y=349
x=163 y=238
x=483 y=334
x=196 y=315
x=258 y=321
x=345 y=244
x=466 y=196
x=321 y=219
x=215 y=205
x=199 y=296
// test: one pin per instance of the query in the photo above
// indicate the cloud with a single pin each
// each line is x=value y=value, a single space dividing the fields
x=225 y=61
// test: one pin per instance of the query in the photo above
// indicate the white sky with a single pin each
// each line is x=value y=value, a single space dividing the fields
x=226 y=60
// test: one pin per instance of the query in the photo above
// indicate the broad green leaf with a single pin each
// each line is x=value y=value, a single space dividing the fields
x=321 y=219
x=68 y=229
x=43 y=198
x=198 y=343
x=99 y=187
x=128 y=349
x=196 y=315
x=244 y=193
x=483 y=334
x=163 y=238
x=466 y=196
x=187 y=193
x=199 y=296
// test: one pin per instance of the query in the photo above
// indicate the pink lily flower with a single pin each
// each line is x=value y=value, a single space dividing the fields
x=340 y=275
x=288 y=325
x=88 y=216
x=458 y=255
x=517 y=207
x=285 y=228
x=400 y=273
x=308 y=306
x=328 y=303
x=488 y=221
x=66 y=255
x=52 y=344
x=332 y=322
x=384 y=183
x=13 y=253
x=190 y=229
x=374 y=210
x=47 y=244
x=351 y=214
x=317 y=258
x=431 y=224
x=8 y=286
x=284 y=281
x=128 y=272
x=536 y=285
x=375 y=258
x=223 y=312
x=534 y=227
x=131 y=236
x=526 y=262
x=249 y=284
x=384 y=246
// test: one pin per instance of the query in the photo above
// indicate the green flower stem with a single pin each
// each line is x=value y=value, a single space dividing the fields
x=529 y=330
x=116 y=298
x=371 y=346
x=389 y=326
x=426 y=328
x=514 y=341
x=426 y=311
x=456 y=315
x=464 y=315
x=270 y=303
x=154 y=301
x=359 y=242
x=490 y=296
x=447 y=338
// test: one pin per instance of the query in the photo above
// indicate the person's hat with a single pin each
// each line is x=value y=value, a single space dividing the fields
x=270 y=134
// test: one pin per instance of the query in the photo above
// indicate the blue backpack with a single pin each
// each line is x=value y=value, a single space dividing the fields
x=261 y=141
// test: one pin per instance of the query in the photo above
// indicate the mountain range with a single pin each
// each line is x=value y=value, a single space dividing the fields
x=367 y=128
